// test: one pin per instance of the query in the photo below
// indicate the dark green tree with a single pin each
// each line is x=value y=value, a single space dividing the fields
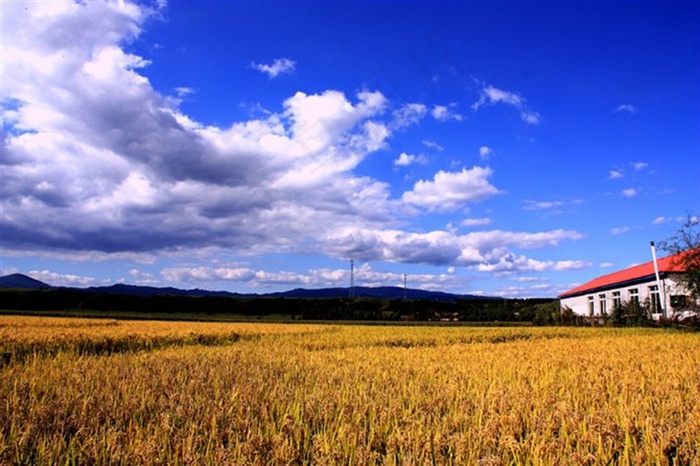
x=686 y=243
x=547 y=313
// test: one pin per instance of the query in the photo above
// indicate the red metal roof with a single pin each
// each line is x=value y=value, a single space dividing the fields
x=666 y=265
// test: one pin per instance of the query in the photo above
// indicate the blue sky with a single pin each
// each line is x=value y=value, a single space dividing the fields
x=499 y=148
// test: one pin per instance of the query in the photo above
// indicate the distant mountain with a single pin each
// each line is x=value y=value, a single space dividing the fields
x=121 y=288
x=17 y=280
x=382 y=292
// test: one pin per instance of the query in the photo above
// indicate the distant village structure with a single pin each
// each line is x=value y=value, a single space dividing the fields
x=658 y=288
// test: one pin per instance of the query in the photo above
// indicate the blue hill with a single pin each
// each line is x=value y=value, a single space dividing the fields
x=17 y=280
x=383 y=292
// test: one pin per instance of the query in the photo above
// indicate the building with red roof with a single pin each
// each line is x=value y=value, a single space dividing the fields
x=636 y=284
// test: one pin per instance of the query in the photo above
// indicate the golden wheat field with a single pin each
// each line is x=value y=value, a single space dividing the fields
x=91 y=391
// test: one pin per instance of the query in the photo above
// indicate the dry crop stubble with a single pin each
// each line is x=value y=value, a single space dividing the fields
x=315 y=394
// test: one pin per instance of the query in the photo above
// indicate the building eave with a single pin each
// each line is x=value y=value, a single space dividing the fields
x=612 y=286
x=636 y=274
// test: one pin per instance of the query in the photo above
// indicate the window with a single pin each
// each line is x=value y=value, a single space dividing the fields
x=603 y=304
x=617 y=300
x=591 y=305
x=634 y=295
x=655 y=299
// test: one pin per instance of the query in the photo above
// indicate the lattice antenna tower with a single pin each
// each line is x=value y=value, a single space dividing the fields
x=405 y=288
x=352 y=278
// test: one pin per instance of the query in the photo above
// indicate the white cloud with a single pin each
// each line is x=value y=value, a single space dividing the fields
x=277 y=67
x=405 y=159
x=408 y=114
x=521 y=264
x=614 y=174
x=90 y=140
x=528 y=279
x=184 y=91
x=485 y=152
x=490 y=95
x=432 y=145
x=445 y=113
x=144 y=177
x=542 y=205
x=473 y=222
x=532 y=118
x=450 y=190
x=320 y=119
x=365 y=275
x=143 y=278
x=481 y=249
x=58 y=279
x=9 y=271
x=606 y=265
x=629 y=192
x=629 y=108
x=206 y=274
x=492 y=240
x=661 y=220
x=619 y=230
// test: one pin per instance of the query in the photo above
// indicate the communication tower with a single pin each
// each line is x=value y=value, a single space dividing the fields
x=352 y=278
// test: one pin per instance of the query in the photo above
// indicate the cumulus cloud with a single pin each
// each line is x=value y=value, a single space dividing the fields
x=481 y=250
x=277 y=67
x=92 y=141
x=629 y=192
x=615 y=174
x=59 y=279
x=97 y=163
x=405 y=159
x=365 y=275
x=490 y=95
x=319 y=120
x=486 y=240
x=510 y=263
x=450 y=190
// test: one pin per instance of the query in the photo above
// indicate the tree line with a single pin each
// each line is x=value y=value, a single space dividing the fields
x=358 y=309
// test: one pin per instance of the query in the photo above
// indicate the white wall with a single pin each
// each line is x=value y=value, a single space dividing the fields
x=580 y=304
